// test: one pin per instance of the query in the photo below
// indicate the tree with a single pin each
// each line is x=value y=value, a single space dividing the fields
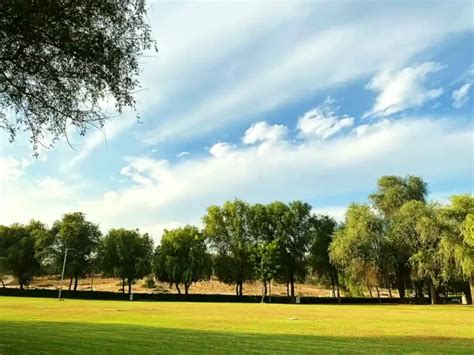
x=266 y=253
x=266 y=263
x=457 y=247
x=81 y=238
x=427 y=262
x=405 y=242
x=392 y=193
x=126 y=254
x=229 y=229
x=323 y=233
x=60 y=59
x=293 y=231
x=17 y=251
x=182 y=257
x=360 y=248
x=3 y=247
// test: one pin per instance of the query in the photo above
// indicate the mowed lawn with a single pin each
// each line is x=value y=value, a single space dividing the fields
x=29 y=325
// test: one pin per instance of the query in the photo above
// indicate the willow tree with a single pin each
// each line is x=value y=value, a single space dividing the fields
x=392 y=193
x=182 y=257
x=457 y=244
x=360 y=248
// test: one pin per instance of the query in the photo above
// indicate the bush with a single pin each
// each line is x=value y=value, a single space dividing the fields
x=150 y=282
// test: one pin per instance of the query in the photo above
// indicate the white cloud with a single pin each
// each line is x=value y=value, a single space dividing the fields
x=183 y=154
x=322 y=122
x=314 y=60
x=221 y=149
x=262 y=132
x=362 y=129
x=461 y=95
x=10 y=168
x=401 y=90
x=100 y=137
x=180 y=192
x=52 y=188
x=163 y=194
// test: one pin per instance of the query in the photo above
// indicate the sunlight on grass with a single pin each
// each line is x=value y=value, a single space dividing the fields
x=43 y=324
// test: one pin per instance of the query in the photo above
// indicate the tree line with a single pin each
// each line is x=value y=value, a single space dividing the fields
x=398 y=240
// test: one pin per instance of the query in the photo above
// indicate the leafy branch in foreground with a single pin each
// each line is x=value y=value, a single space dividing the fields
x=60 y=60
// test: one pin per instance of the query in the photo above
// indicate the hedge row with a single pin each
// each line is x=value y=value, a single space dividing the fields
x=170 y=297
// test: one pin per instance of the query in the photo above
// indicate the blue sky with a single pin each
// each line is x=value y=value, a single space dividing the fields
x=267 y=101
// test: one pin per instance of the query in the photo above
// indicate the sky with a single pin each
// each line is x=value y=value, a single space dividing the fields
x=267 y=101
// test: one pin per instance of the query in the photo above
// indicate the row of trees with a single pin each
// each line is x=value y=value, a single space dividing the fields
x=397 y=241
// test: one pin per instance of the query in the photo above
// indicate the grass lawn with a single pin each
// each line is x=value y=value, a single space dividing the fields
x=29 y=325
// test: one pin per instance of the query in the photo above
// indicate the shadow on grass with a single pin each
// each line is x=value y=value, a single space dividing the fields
x=73 y=338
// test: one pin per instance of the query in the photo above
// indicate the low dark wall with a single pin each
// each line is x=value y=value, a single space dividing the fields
x=102 y=295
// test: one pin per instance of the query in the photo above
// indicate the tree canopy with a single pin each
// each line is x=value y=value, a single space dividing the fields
x=60 y=60
x=126 y=254
x=17 y=253
x=420 y=248
x=81 y=238
x=182 y=257
x=230 y=235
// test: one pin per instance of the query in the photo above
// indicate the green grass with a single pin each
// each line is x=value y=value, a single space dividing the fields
x=30 y=325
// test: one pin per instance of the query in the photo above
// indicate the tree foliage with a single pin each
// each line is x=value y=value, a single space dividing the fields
x=17 y=253
x=319 y=260
x=293 y=232
x=182 y=257
x=229 y=229
x=126 y=254
x=81 y=238
x=361 y=249
x=59 y=60
x=393 y=191
x=427 y=261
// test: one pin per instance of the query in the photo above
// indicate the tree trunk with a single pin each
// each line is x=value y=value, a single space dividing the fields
x=333 y=287
x=20 y=281
x=288 y=289
x=241 y=285
x=419 y=291
x=370 y=291
x=270 y=291
x=129 y=287
x=401 y=288
x=433 y=293
x=337 y=289
x=389 y=291
x=237 y=288
x=468 y=292
x=265 y=289
x=70 y=283
x=123 y=285
x=177 y=287
x=378 y=293
x=186 y=288
x=75 y=282
x=3 y=283
x=292 y=286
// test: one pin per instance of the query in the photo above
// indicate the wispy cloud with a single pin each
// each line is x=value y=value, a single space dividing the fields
x=319 y=59
x=323 y=122
x=401 y=90
x=461 y=95
x=183 y=154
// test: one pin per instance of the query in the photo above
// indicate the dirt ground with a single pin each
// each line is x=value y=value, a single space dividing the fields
x=205 y=287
